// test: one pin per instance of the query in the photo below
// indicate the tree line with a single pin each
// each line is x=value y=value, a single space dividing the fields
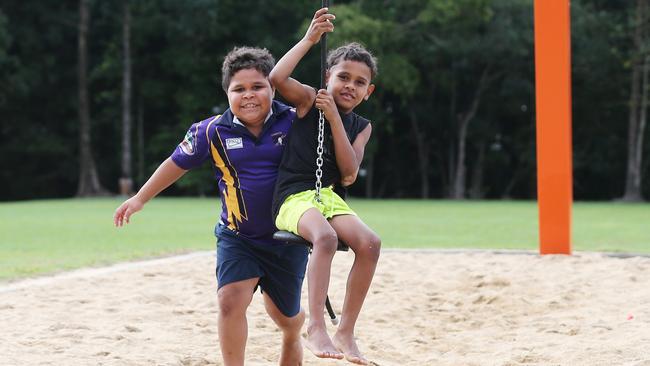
x=95 y=94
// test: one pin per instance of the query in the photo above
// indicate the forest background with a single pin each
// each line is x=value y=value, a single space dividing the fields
x=95 y=94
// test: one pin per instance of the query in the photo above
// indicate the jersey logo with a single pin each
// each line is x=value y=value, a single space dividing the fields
x=234 y=143
x=188 y=144
x=278 y=138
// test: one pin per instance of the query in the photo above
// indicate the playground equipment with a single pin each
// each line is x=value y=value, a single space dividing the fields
x=291 y=238
x=554 y=147
x=553 y=92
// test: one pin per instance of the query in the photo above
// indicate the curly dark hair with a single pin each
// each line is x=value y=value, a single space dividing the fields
x=353 y=52
x=241 y=58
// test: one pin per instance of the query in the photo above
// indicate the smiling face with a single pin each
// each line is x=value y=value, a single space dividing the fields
x=249 y=96
x=349 y=83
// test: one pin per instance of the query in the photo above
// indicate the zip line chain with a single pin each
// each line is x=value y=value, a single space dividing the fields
x=319 y=152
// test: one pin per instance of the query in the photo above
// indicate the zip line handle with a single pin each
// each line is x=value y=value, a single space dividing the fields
x=323 y=51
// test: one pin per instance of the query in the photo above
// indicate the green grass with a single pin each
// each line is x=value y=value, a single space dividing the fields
x=38 y=237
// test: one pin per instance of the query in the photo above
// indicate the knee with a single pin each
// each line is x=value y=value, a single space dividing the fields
x=231 y=303
x=290 y=324
x=370 y=248
x=326 y=242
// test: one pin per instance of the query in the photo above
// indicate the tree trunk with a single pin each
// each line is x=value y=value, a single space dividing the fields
x=458 y=184
x=88 y=179
x=141 y=175
x=476 y=190
x=643 y=118
x=460 y=172
x=451 y=163
x=638 y=105
x=126 y=180
x=423 y=154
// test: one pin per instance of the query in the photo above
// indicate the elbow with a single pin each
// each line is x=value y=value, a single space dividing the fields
x=347 y=180
x=274 y=77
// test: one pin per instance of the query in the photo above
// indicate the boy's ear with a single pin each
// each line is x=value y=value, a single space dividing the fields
x=371 y=88
x=272 y=87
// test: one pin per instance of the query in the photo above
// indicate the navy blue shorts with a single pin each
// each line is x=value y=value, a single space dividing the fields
x=281 y=268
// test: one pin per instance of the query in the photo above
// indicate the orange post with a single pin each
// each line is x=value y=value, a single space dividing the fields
x=553 y=85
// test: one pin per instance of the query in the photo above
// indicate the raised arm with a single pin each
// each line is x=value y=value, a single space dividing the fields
x=300 y=95
x=166 y=174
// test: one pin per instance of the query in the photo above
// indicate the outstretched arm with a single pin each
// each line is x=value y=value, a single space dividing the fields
x=166 y=174
x=300 y=95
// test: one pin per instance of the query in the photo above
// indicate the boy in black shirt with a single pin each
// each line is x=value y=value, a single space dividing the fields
x=350 y=71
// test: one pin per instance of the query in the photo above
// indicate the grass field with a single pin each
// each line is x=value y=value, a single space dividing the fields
x=39 y=237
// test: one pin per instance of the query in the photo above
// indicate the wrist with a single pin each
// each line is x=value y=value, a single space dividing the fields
x=308 y=42
x=335 y=120
x=139 y=197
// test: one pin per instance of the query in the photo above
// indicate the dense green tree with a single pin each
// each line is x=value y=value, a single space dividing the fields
x=600 y=95
x=453 y=114
x=38 y=114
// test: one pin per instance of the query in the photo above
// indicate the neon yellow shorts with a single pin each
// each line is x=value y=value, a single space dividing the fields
x=298 y=203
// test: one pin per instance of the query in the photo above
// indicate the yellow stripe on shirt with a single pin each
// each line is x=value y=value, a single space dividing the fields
x=232 y=194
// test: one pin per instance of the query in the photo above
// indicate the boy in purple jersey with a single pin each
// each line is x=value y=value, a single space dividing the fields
x=350 y=69
x=245 y=147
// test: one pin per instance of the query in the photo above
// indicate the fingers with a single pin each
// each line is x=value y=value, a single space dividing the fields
x=322 y=22
x=325 y=18
x=118 y=217
x=321 y=28
x=127 y=215
x=322 y=93
x=320 y=12
x=122 y=215
x=325 y=103
x=323 y=99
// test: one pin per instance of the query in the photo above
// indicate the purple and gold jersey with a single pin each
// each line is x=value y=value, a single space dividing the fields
x=246 y=167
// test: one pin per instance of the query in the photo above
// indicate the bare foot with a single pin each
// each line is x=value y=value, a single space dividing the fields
x=320 y=344
x=291 y=354
x=347 y=345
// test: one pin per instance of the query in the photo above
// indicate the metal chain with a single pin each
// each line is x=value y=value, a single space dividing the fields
x=319 y=153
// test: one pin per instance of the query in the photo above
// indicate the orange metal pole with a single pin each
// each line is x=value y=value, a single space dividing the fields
x=553 y=85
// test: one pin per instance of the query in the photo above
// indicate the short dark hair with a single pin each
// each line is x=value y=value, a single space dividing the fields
x=353 y=52
x=241 y=58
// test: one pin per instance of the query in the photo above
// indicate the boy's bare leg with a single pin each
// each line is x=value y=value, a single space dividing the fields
x=291 y=353
x=366 y=246
x=234 y=299
x=313 y=227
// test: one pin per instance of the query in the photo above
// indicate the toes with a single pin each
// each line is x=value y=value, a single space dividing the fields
x=359 y=360
x=327 y=354
x=338 y=356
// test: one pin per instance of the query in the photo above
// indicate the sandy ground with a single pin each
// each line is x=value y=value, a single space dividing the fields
x=424 y=308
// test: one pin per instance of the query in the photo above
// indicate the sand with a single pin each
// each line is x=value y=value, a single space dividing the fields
x=424 y=308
